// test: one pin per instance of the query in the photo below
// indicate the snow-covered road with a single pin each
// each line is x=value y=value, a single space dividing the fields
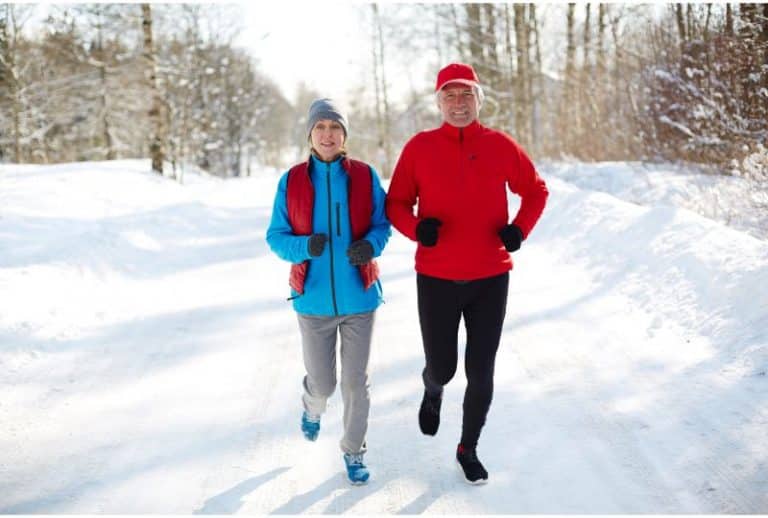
x=150 y=363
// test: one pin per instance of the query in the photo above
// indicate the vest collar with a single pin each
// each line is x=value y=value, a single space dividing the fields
x=468 y=131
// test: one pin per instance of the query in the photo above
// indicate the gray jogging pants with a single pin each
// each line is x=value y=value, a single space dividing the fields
x=319 y=345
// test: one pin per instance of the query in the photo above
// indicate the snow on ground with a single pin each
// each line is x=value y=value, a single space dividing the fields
x=149 y=361
x=732 y=200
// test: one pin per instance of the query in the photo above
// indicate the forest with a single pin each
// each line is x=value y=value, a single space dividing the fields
x=588 y=82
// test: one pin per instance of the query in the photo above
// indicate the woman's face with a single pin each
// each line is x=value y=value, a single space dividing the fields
x=327 y=139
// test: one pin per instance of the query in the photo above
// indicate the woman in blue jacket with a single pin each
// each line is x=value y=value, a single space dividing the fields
x=329 y=221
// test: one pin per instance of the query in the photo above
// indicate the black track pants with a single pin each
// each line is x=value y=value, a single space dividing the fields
x=483 y=303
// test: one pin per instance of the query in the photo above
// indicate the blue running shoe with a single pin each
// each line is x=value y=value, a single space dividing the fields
x=357 y=472
x=310 y=426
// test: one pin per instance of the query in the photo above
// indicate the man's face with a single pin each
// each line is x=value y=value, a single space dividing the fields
x=458 y=103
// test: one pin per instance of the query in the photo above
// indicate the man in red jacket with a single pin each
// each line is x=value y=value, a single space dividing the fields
x=459 y=174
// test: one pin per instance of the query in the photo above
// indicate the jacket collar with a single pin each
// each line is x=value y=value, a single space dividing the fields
x=468 y=131
x=315 y=162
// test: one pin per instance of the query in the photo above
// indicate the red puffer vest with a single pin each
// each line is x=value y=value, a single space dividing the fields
x=301 y=200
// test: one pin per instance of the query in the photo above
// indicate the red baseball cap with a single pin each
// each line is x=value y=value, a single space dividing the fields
x=456 y=73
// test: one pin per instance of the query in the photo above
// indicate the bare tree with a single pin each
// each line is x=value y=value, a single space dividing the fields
x=681 y=26
x=460 y=48
x=523 y=102
x=156 y=115
x=585 y=119
x=474 y=30
x=535 y=77
x=492 y=74
x=383 y=120
x=11 y=24
x=101 y=21
x=569 y=83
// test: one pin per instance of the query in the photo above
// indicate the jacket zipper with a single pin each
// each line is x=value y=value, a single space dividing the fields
x=461 y=160
x=330 y=242
x=338 y=219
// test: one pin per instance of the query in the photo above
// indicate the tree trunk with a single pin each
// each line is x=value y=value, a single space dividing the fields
x=618 y=105
x=375 y=71
x=386 y=133
x=489 y=42
x=749 y=35
x=457 y=27
x=508 y=45
x=385 y=100
x=586 y=118
x=691 y=30
x=10 y=35
x=474 y=30
x=680 y=25
x=600 y=80
x=106 y=133
x=600 y=62
x=156 y=116
x=535 y=75
x=16 y=102
x=438 y=35
x=764 y=32
x=105 y=129
x=764 y=43
x=587 y=36
x=509 y=72
x=521 y=90
x=569 y=83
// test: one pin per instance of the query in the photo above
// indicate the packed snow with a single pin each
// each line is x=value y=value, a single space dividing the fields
x=150 y=363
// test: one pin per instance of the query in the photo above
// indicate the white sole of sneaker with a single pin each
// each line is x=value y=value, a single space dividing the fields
x=351 y=483
x=478 y=482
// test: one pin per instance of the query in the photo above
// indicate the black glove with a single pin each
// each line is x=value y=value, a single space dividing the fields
x=426 y=231
x=512 y=237
x=316 y=244
x=360 y=252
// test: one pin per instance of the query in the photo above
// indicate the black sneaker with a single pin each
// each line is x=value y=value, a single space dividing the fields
x=473 y=470
x=429 y=414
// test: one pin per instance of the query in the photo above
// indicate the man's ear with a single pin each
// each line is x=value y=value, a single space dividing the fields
x=480 y=97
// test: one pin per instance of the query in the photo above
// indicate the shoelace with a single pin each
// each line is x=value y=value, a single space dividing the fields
x=355 y=459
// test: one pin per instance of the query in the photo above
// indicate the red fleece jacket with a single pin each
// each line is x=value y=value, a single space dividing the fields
x=459 y=176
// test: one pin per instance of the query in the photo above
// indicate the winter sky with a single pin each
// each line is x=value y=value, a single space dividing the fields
x=320 y=43
x=323 y=44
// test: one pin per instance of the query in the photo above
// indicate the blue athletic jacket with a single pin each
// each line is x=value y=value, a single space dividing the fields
x=333 y=286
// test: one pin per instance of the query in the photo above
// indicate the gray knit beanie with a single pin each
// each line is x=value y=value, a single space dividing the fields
x=325 y=109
